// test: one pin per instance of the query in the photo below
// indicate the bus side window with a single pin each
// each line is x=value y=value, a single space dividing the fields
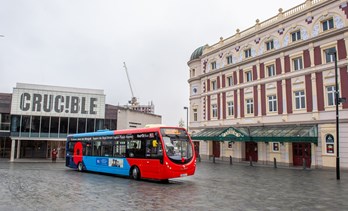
x=135 y=148
x=71 y=147
x=106 y=148
x=119 y=149
x=96 y=148
x=88 y=148
x=153 y=150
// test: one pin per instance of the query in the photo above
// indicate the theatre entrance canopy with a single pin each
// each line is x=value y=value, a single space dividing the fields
x=284 y=133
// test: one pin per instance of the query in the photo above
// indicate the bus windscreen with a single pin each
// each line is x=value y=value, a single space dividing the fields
x=177 y=145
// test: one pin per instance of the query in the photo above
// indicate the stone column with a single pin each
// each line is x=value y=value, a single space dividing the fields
x=311 y=54
x=238 y=96
x=13 y=145
x=314 y=93
x=282 y=63
x=285 y=109
x=346 y=42
x=18 y=149
x=260 y=100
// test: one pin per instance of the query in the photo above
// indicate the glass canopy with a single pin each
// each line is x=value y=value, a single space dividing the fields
x=283 y=133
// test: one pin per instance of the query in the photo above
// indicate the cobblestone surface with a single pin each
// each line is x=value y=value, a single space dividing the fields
x=52 y=186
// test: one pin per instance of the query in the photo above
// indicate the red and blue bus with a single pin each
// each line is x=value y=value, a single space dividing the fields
x=158 y=153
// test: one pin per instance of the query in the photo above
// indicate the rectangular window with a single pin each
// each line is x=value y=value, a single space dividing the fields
x=213 y=65
x=331 y=95
x=230 y=108
x=330 y=144
x=214 y=110
x=213 y=85
x=275 y=146
x=229 y=81
x=247 y=53
x=269 y=45
x=229 y=59
x=193 y=72
x=329 y=57
x=272 y=103
x=250 y=106
x=296 y=36
x=195 y=115
x=297 y=63
x=271 y=70
x=248 y=76
x=300 y=100
x=328 y=24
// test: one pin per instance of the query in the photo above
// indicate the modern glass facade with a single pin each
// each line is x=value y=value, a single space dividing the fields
x=53 y=127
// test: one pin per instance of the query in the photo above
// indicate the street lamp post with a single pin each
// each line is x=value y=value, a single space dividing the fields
x=186 y=117
x=332 y=51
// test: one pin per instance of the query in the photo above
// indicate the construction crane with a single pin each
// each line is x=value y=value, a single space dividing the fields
x=133 y=101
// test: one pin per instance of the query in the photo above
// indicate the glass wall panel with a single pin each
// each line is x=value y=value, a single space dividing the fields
x=107 y=124
x=35 y=126
x=15 y=125
x=113 y=124
x=82 y=125
x=99 y=125
x=25 y=126
x=45 y=124
x=63 y=129
x=63 y=125
x=54 y=126
x=5 y=122
x=90 y=125
x=72 y=125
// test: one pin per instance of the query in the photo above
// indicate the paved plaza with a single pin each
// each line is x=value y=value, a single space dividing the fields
x=219 y=186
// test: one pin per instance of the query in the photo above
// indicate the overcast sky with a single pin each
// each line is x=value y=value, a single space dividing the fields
x=83 y=43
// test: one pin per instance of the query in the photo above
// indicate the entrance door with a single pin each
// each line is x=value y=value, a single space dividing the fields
x=5 y=147
x=251 y=151
x=33 y=149
x=301 y=153
x=216 y=149
x=196 y=146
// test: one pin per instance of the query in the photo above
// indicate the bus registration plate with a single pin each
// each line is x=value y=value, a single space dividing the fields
x=183 y=175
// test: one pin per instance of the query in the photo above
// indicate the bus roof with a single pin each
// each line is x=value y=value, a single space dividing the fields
x=98 y=133
x=115 y=132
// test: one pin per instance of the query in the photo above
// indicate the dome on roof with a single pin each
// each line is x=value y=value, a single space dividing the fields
x=197 y=53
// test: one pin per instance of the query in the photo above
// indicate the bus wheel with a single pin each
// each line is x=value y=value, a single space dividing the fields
x=80 y=167
x=164 y=181
x=135 y=174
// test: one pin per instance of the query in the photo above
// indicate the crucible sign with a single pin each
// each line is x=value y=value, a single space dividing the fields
x=57 y=103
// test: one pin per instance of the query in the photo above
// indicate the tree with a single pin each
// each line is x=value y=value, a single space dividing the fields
x=181 y=123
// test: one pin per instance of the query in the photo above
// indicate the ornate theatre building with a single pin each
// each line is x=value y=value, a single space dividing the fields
x=268 y=93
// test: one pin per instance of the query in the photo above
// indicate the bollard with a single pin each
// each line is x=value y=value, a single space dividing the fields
x=304 y=163
x=251 y=161
x=199 y=158
x=275 y=163
x=230 y=160
x=213 y=159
